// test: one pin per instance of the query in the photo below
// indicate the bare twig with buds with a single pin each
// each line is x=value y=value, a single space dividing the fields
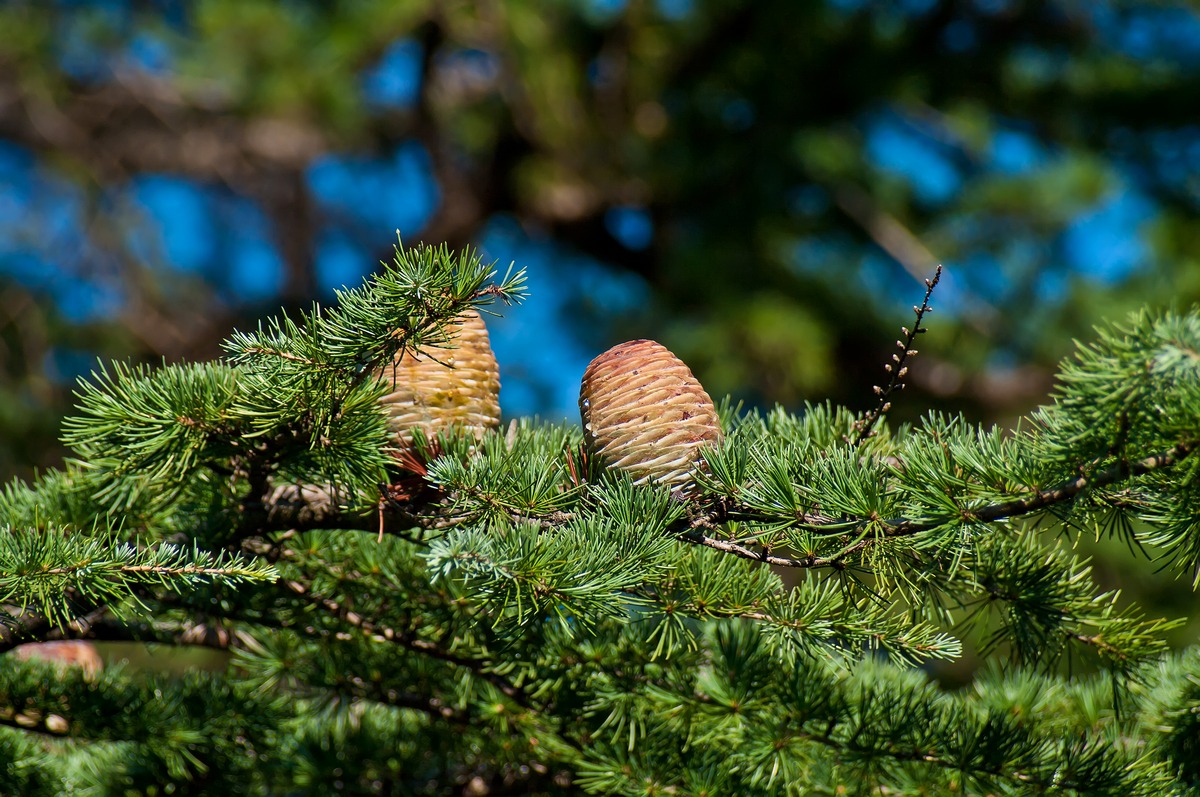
x=864 y=427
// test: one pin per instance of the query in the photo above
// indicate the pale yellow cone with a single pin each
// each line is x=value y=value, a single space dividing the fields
x=442 y=386
x=645 y=413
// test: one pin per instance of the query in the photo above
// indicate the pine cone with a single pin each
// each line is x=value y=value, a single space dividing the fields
x=645 y=413
x=440 y=386
x=67 y=653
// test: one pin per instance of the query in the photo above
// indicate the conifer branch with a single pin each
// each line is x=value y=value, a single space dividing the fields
x=895 y=528
x=930 y=756
x=939 y=646
x=162 y=571
x=45 y=571
x=1036 y=501
x=696 y=528
x=407 y=641
x=433 y=706
x=104 y=628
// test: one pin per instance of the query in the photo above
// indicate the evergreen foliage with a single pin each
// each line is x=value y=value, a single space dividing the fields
x=504 y=616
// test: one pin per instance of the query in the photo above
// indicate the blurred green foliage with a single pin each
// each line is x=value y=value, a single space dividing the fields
x=803 y=164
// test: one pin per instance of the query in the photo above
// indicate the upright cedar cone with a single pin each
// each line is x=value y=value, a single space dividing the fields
x=645 y=413
x=437 y=387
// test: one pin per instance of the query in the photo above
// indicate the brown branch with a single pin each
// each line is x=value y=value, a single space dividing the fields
x=406 y=640
x=932 y=758
x=1064 y=491
x=283 y=355
x=890 y=235
x=885 y=230
x=160 y=130
x=1033 y=502
x=30 y=626
x=25 y=627
x=1105 y=648
x=99 y=625
x=433 y=706
x=201 y=635
x=764 y=556
x=295 y=513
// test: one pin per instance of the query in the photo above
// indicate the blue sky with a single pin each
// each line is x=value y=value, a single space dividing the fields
x=183 y=226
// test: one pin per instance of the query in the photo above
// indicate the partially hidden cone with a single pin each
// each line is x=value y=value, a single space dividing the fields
x=72 y=653
x=440 y=386
x=645 y=413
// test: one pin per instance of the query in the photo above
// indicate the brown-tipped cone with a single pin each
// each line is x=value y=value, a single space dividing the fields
x=438 y=387
x=645 y=413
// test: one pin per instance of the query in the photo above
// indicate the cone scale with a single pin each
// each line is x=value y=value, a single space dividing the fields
x=645 y=413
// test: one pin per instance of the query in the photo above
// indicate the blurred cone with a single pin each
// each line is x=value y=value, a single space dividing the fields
x=441 y=386
x=645 y=413
x=68 y=653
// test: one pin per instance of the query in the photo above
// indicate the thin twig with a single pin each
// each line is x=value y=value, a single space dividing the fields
x=897 y=368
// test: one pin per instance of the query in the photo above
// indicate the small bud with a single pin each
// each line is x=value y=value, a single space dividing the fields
x=903 y=372
x=878 y=390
